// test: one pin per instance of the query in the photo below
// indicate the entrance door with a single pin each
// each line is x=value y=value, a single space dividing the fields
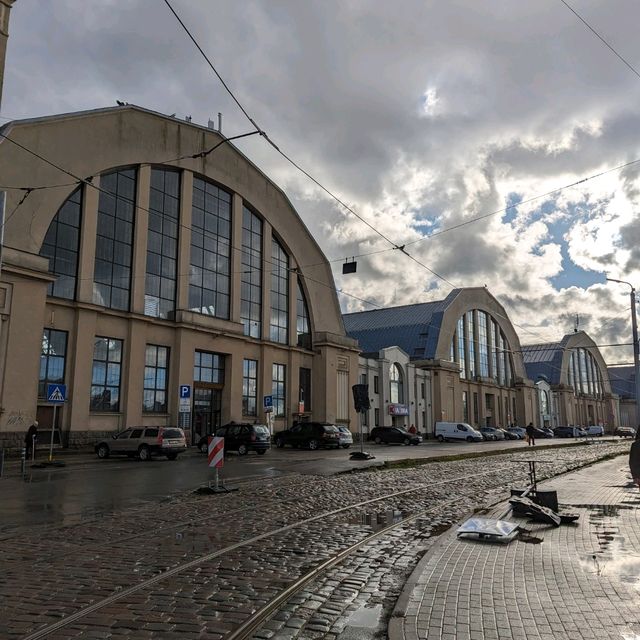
x=206 y=411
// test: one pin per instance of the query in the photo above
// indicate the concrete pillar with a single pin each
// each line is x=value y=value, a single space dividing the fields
x=87 y=252
x=236 y=256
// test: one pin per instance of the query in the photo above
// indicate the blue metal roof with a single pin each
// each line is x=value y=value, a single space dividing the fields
x=623 y=381
x=544 y=360
x=415 y=328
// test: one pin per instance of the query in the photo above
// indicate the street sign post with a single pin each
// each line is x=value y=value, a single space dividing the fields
x=184 y=405
x=56 y=394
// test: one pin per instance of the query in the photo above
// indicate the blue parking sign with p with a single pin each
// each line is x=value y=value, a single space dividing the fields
x=185 y=391
x=267 y=403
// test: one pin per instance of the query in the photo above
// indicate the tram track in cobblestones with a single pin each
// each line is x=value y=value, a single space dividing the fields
x=210 y=574
x=123 y=594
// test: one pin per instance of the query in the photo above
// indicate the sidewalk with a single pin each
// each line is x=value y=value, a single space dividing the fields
x=581 y=581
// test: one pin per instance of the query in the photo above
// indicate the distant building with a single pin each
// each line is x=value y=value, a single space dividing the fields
x=623 y=384
x=167 y=268
x=469 y=350
x=577 y=377
x=399 y=391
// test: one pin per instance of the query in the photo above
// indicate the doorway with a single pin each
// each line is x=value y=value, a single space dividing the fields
x=206 y=410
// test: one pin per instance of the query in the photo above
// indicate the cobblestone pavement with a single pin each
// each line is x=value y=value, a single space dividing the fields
x=193 y=568
x=581 y=581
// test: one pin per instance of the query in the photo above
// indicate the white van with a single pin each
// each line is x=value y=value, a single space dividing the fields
x=457 y=431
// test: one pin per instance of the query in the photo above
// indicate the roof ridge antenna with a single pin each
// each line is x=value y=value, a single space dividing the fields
x=577 y=324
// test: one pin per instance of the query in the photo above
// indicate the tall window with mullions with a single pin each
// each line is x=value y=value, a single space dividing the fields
x=162 y=243
x=209 y=272
x=303 y=327
x=62 y=244
x=114 y=239
x=251 y=276
x=279 y=324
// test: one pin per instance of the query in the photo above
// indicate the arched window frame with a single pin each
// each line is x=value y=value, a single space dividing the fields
x=396 y=385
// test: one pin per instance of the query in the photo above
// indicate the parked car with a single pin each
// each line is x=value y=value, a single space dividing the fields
x=491 y=433
x=240 y=437
x=566 y=432
x=625 y=432
x=457 y=431
x=144 y=442
x=345 y=437
x=595 y=430
x=542 y=433
x=518 y=431
x=548 y=431
x=394 y=435
x=311 y=435
x=509 y=435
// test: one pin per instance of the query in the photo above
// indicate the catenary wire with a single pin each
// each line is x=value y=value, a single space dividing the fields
x=601 y=38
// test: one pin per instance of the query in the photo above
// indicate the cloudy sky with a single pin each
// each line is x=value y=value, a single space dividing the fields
x=421 y=115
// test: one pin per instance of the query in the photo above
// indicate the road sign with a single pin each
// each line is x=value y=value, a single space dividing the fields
x=267 y=404
x=56 y=393
x=185 y=390
x=216 y=452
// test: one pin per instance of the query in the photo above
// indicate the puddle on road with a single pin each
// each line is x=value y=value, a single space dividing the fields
x=368 y=617
x=614 y=557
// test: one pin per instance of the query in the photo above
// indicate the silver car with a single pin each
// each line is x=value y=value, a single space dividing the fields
x=346 y=439
x=144 y=442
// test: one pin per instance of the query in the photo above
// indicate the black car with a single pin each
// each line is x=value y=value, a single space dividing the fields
x=393 y=435
x=542 y=433
x=240 y=437
x=565 y=432
x=310 y=435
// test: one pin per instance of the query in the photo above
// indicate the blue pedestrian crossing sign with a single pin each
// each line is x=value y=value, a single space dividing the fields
x=56 y=393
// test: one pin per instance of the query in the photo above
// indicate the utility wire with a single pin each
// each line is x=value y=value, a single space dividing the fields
x=595 y=33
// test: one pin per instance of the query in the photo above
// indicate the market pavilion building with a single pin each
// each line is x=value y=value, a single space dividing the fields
x=469 y=353
x=142 y=263
x=579 y=391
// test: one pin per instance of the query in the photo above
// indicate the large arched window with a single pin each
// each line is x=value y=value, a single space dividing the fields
x=251 y=277
x=480 y=347
x=114 y=239
x=303 y=327
x=279 y=323
x=61 y=245
x=209 y=271
x=544 y=402
x=396 y=391
x=583 y=373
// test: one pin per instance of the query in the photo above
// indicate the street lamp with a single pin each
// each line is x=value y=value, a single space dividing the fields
x=636 y=347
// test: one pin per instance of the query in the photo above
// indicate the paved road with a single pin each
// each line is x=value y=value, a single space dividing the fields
x=88 y=486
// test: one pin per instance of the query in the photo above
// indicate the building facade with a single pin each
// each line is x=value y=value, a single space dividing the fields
x=153 y=260
x=577 y=375
x=470 y=350
x=623 y=385
x=399 y=391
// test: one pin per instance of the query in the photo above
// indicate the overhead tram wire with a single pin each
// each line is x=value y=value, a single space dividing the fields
x=601 y=38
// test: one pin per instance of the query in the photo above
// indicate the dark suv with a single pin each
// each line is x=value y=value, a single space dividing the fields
x=240 y=437
x=311 y=435
x=393 y=435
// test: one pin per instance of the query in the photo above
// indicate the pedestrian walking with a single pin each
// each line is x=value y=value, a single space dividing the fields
x=412 y=429
x=30 y=440
x=634 y=459
x=531 y=435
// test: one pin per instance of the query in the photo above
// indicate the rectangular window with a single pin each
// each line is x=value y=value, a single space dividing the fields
x=465 y=407
x=344 y=396
x=493 y=333
x=52 y=360
x=422 y=388
x=472 y=345
x=514 y=414
x=375 y=384
x=279 y=324
x=105 y=377
x=249 y=387
x=364 y=418
x=483 y=344
x=476 y=415
x=278 y=388
x=376 y=417
x=461 y=347
x=209 y=271
x=208 y=367
x=251 y=276
x=114 y=240
x=156 y=368
x=305 y=388
x=162 y=243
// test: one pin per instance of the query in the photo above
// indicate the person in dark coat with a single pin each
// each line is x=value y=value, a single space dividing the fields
x=634 y=458
x=30 y=439
x=531 y=434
